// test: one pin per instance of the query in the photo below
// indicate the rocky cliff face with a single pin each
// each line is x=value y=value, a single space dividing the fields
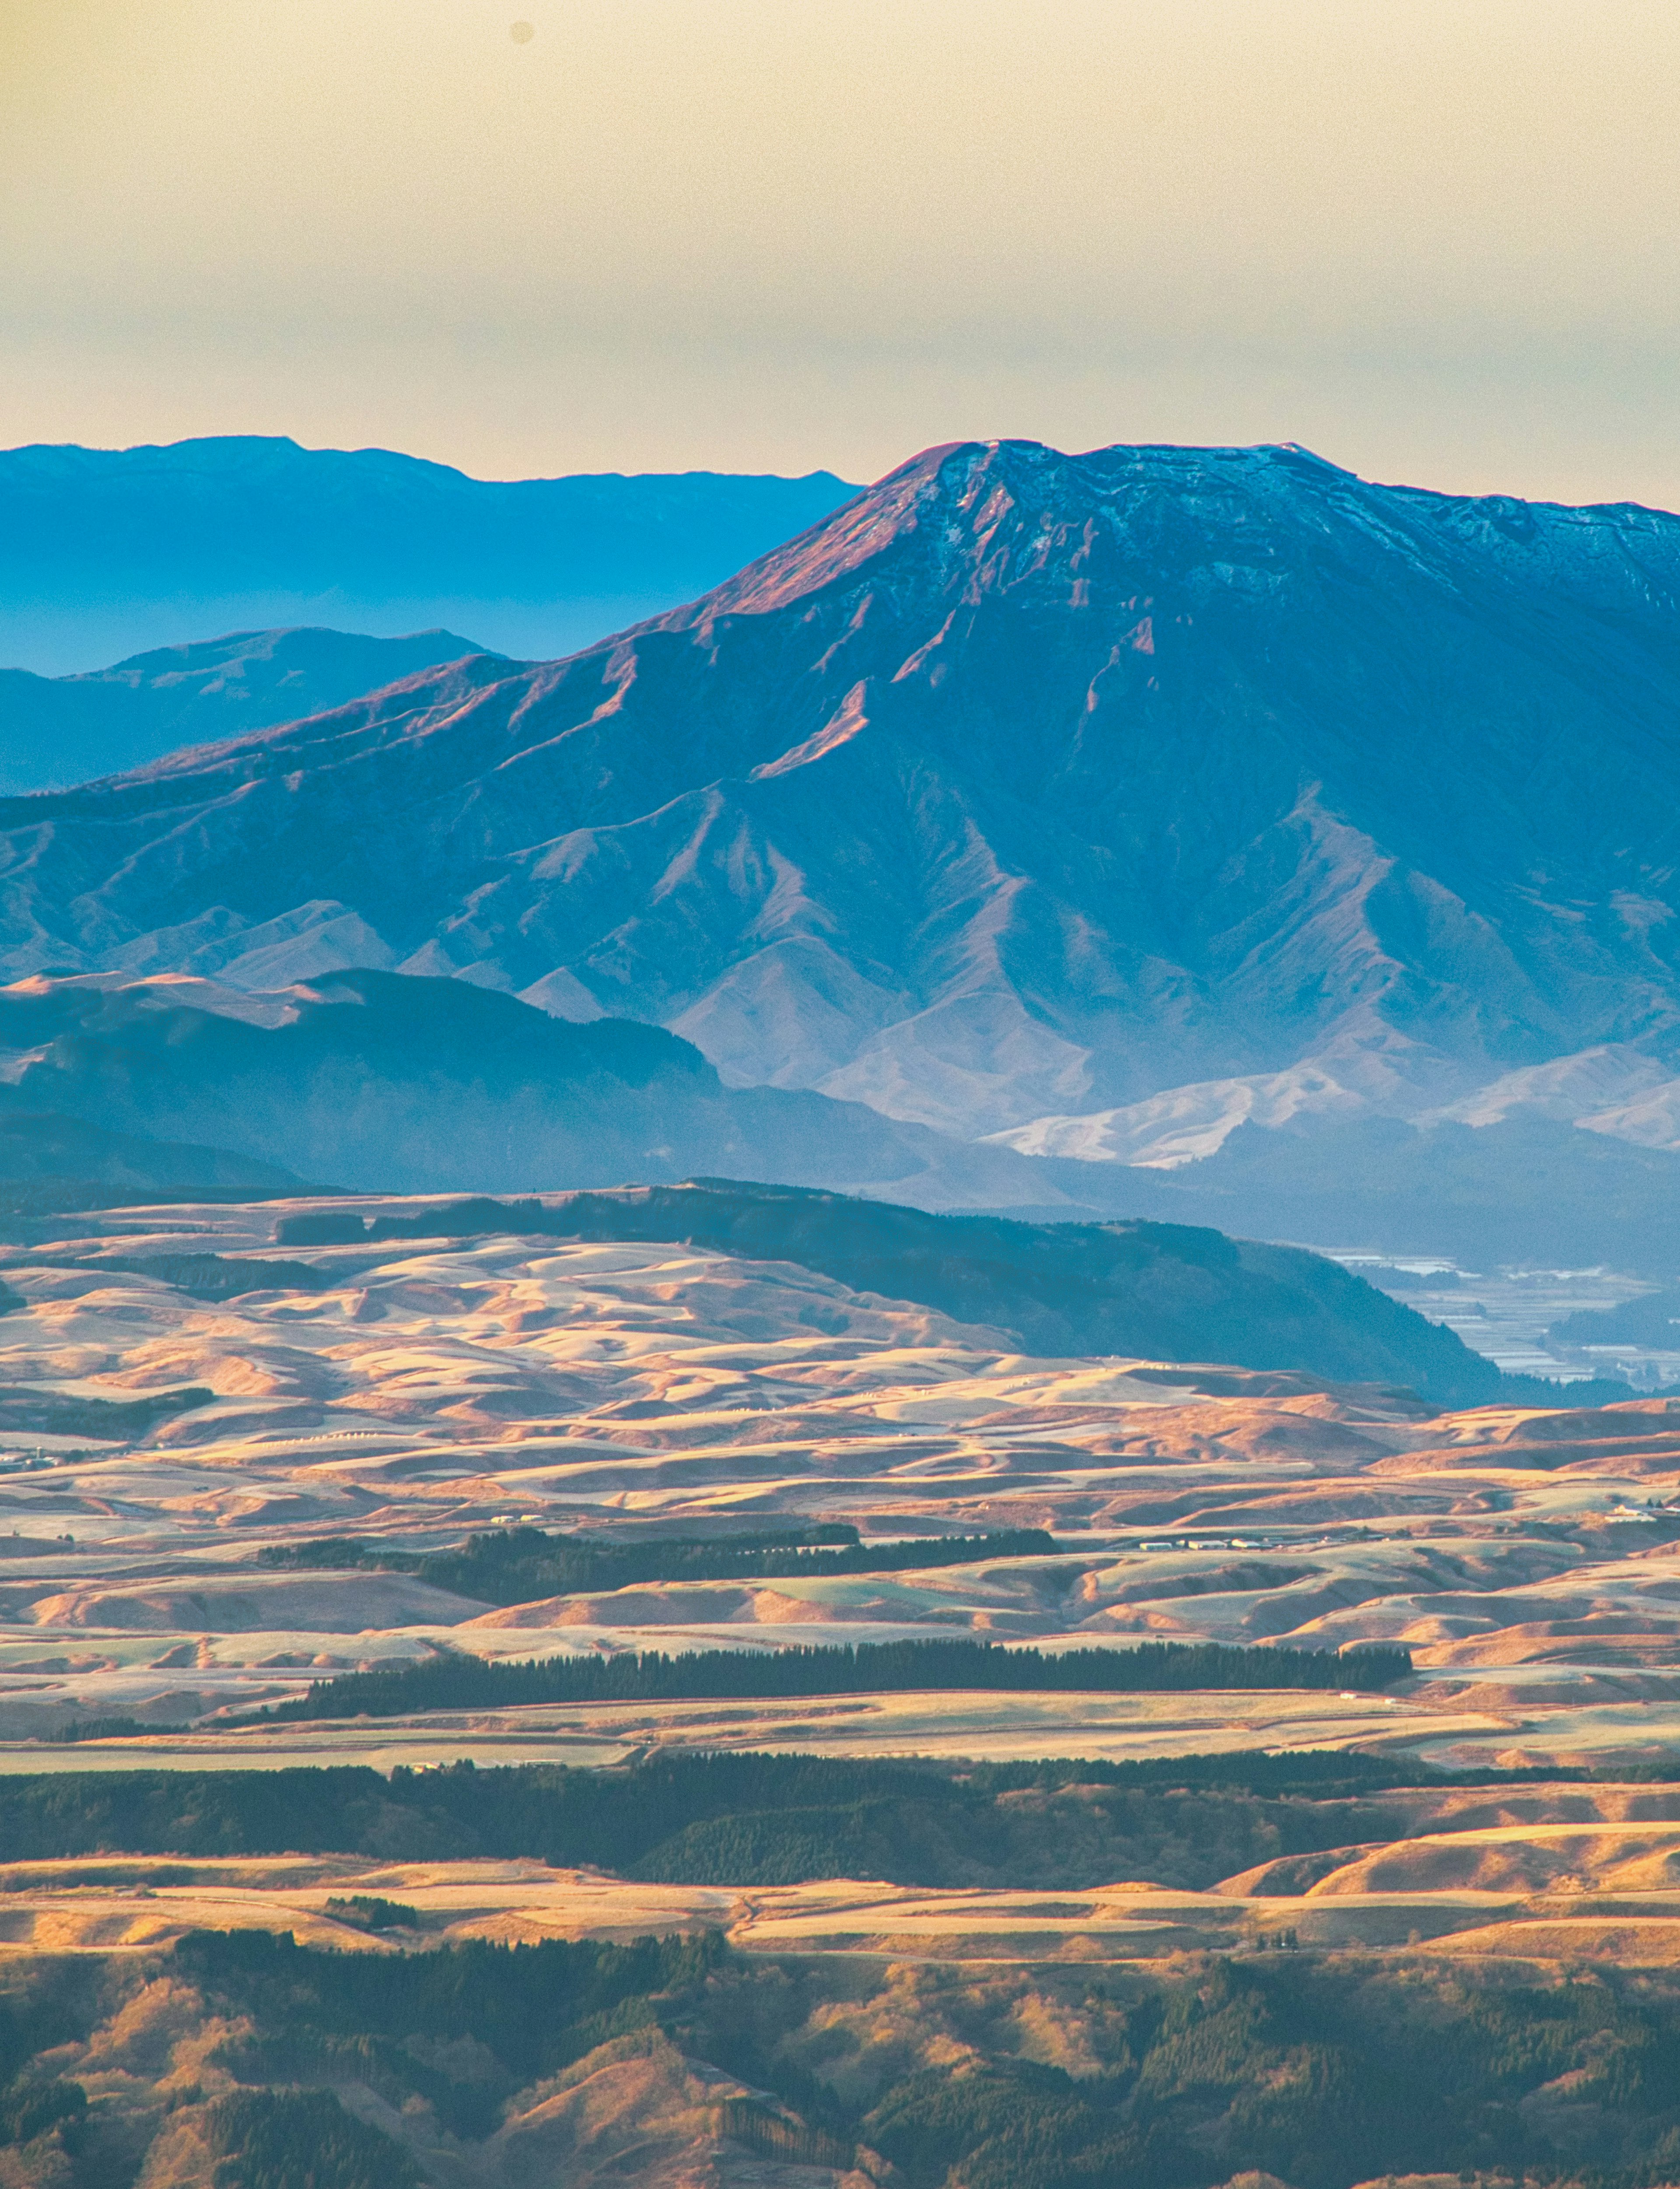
x=1024 y=786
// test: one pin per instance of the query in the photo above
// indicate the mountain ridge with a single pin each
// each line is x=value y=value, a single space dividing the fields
x=56 y=732
x=974 y=546
x=1021 y=789
x=111 y=551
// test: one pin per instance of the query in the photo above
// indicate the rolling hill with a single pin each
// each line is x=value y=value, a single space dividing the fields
x=1155 y=1291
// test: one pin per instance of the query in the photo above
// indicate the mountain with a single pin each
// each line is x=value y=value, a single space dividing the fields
x=1155 y=1292
x=107 y=551
x=1653 y=1321
x=36 y=1150
x=371 y=1081
x=1021 y=791
x=1526 y=1191
x=55 y=731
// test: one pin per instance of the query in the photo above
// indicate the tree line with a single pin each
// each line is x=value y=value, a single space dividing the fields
x=522 y=1565
x=688 y=1818
x=460 y=1682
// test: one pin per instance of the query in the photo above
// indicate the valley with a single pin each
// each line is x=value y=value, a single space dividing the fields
x=1515 y=1317
x=961 y=1664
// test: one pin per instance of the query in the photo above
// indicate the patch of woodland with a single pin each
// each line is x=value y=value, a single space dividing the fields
x=42 y=1210
x=457 y=1680
x=219 y=1276
x=113 y=1421
x=752 y=1819
x=523 y=1565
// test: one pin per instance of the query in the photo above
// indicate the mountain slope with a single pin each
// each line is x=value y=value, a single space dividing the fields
x=367 y=1080
x=105 y=551
x=37 y=1150
x=1525 y=1192
x=55 y=731
x=1025 y=784
x=1158 y=1292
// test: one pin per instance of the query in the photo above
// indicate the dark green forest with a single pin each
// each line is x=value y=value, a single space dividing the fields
x=1323 y=2072
x=521 y=1565
x=1324 y=2076
x=749 y=1820
x=300 y=2140
x=469 y=1683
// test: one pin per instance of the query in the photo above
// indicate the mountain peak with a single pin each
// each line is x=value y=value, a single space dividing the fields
x=1024 y=786
x=1016 y=509
x=1120 y=521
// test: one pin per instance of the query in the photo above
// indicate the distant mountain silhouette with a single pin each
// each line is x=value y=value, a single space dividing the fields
x=1527 y=1191
x=372 y=1082
x=40 y=1150
x=61 y=730
x=1022 y=789
x=104 y=553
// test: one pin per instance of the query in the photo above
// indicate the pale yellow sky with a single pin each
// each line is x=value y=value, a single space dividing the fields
x=1435 y=240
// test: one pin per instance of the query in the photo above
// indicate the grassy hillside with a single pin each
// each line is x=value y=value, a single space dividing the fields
x=1160 y=1291
x=746 y=1819
x=252 y=2061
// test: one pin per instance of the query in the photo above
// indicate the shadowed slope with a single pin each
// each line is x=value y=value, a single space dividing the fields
x=367 y=1080
x=1023 y=784
x=62 y=730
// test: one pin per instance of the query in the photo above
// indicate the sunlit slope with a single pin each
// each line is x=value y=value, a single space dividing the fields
x=1591 y=1872
x=1023 y=784
x=408 y=1390
x=57 y=731
x=1121 y=1288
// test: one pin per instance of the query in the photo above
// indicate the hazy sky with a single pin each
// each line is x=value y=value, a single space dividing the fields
x=1435 y=239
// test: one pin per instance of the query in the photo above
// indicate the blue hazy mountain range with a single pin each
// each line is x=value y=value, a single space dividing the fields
x=1091 y=807
x=379 y=1082
x=374 y=1080
x=104 y=553
x=55 y=731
